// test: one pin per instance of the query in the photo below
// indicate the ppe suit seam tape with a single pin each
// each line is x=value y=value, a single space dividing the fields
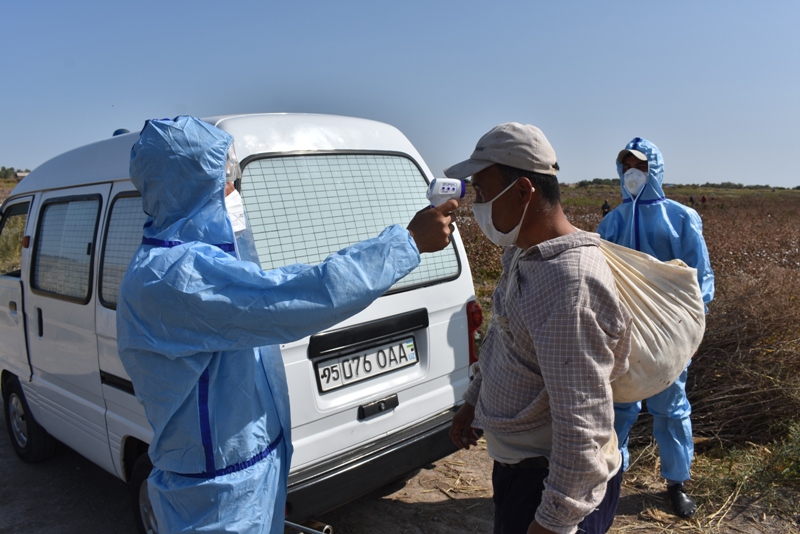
x=651 y=201
x=205 y=424
x=241 y=465
x=226 y=247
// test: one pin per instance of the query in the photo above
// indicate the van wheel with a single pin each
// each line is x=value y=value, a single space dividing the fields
x=31 y=442
x=142 y=508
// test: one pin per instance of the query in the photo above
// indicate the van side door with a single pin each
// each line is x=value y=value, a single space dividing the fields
x=13 y=351
x=61 y=327
x=122 y=235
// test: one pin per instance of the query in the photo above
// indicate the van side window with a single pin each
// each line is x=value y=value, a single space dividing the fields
x=64 y=248
x=12 y=230
x=123 y=236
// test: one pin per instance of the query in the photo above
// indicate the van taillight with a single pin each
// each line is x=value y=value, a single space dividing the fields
x=474 y=321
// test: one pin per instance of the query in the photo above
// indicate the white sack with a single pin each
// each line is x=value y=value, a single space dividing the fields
x=668 y=319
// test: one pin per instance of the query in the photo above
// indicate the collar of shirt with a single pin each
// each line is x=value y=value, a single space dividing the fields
x=554 y=247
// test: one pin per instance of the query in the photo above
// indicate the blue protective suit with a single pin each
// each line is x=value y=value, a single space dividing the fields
x=190 y=319
x=667 y=230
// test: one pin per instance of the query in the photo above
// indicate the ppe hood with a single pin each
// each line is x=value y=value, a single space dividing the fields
x=652 y=190
x=179 y=167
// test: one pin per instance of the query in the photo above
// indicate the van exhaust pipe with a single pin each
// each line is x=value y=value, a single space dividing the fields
x=311 y=527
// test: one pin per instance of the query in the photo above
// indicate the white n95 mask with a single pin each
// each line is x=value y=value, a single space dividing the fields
x=233 y=203
x=634 y=180
x=483 y=216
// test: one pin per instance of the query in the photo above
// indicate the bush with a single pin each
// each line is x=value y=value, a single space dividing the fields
x=744 y=382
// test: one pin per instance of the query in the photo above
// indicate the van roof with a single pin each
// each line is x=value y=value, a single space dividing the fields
x=254 y=134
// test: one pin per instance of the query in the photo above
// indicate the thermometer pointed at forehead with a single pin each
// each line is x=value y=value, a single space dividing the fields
x=443 y=189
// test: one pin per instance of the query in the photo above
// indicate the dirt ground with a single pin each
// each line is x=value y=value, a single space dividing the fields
x=455 y=497
x=69 y=494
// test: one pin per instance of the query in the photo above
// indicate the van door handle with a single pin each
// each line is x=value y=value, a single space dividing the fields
x=39 y=322
x=12 y=307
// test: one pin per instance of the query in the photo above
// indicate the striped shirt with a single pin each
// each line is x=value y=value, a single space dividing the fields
x=558 y=337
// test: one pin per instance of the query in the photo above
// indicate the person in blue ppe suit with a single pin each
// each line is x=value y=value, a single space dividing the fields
x=191 y=318
x=648 y=221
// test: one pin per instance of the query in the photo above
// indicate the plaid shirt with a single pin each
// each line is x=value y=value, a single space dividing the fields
x=558 y=337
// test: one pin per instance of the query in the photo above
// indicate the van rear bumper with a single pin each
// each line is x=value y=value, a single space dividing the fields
x=323 y=487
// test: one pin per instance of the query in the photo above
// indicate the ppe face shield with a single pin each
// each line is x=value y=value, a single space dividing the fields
x=233 y=171
x=244 y=242
x=233 y=200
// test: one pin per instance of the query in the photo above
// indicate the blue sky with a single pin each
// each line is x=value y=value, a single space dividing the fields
x=715 y=84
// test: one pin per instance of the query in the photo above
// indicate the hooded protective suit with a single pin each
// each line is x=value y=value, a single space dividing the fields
x=190 y=318
x=666 y=230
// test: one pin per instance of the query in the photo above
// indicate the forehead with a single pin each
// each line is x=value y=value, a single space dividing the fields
x=487 y=177
x=632 y=161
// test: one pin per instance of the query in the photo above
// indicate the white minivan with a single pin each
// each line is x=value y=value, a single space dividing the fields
x=311 y=184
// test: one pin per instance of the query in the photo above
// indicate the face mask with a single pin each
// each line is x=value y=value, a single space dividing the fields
x=483 y=216
x=233 y=203
x=634 y=181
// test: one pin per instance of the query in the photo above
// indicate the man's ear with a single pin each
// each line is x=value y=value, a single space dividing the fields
x=525 y=190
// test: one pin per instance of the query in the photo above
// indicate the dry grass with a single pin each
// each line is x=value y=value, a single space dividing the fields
x=744 y=383
x=461 y=478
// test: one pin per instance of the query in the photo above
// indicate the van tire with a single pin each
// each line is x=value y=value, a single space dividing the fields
x=31 y=442
x=142 y=507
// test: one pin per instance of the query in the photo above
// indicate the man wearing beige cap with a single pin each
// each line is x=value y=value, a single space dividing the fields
x=559 y=335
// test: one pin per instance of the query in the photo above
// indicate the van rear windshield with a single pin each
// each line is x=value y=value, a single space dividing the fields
x=303 y=208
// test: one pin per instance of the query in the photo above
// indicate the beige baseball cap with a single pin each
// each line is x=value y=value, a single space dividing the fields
x=635 y=153
x=521 y=146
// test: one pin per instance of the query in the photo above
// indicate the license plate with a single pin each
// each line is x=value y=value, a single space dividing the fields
x=346 y=370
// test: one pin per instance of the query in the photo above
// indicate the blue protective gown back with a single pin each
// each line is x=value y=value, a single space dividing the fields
x=191 y=318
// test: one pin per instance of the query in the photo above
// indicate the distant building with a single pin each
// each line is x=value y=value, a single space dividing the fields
x=21 y=175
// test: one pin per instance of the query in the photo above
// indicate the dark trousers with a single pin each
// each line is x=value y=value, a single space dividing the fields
x=518 y=493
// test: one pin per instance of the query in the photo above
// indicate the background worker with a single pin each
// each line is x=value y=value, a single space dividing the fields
x=649 y=222
x=191 y=317
x=559 y=336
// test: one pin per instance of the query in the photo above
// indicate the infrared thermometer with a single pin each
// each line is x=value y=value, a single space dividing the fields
x=443 y=189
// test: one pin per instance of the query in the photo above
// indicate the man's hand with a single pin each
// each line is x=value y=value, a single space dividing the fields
x=430 y=228
x=461 y=432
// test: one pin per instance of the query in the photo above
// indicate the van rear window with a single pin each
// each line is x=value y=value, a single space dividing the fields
x=303 y=208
